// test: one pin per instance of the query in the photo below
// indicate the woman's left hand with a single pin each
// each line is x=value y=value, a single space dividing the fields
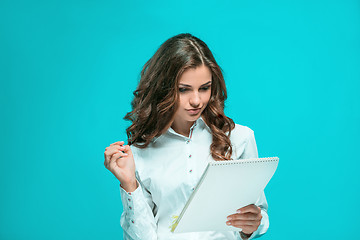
x=247 y=218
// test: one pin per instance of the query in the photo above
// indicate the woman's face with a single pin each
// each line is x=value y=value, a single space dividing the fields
x=194 y=93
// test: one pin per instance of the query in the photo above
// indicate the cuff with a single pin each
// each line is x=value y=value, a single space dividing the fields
x=129 y=199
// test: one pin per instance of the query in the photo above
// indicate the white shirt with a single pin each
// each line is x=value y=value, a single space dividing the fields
x=167 y=172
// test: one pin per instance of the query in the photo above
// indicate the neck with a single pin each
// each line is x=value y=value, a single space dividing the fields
x=182 y=128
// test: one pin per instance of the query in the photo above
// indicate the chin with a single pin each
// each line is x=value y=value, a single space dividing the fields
x=194 y=117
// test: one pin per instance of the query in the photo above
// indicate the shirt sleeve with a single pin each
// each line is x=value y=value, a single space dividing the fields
x=137 y=219
x=251 y=151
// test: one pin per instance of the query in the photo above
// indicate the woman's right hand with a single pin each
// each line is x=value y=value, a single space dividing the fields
x=120 y=161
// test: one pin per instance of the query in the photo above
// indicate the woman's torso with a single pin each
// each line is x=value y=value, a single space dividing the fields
x=171 y=166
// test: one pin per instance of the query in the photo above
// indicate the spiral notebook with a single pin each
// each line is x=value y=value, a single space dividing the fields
x=224 y=187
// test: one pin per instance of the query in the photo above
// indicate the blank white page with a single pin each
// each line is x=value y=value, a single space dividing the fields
x=224 y=187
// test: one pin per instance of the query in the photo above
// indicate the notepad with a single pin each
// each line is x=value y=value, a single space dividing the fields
x=224 y=187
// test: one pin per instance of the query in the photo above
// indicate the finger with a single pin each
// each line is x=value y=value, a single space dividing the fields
x=243 y=216
x=115 y=157
x=111 y=151
x=246 y=229
x=111 y=148
x=243 y=223
x=117 y=143
x=127 y=149
x=118 y=155
x=112 y=161
x=114 y=149
x=249 y=208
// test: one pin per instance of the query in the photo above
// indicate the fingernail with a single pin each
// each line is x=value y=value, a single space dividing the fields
x=238 y=211
x=229 y=218
x=126 y=154
x=228 y=223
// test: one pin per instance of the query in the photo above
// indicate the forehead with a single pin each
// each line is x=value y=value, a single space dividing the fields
x=196 y=76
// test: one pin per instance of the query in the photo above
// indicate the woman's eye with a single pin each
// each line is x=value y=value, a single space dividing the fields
x=182 y=89
x=186 y=89
x=205 y=88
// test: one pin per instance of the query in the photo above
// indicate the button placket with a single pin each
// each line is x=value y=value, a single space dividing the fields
x=130 y=205
x=190 y=162
x=189 y=156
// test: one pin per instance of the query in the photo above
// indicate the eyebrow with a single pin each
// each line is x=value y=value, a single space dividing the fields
x=200 y=86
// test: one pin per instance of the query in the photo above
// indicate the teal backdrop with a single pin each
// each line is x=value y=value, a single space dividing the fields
x=68 y=70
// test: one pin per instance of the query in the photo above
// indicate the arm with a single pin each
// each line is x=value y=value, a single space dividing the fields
x=264 y=224
x=251 y=151
x=137 y=219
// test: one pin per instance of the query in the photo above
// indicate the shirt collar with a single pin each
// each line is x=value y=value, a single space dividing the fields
x=201 y=122
x=198 y=123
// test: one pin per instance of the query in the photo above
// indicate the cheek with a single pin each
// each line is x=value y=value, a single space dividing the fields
x=182 y=101
x=207 y=97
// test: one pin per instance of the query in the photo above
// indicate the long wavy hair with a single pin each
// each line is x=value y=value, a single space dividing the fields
x=156 y=97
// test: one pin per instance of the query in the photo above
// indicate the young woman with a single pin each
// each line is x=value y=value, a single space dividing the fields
x=178 y=125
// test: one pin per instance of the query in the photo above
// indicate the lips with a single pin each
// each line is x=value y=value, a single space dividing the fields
x=194 y=111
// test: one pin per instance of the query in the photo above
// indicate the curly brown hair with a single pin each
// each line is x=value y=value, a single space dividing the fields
x=156 y=97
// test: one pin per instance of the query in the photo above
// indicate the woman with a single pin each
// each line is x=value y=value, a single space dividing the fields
x=178 y=125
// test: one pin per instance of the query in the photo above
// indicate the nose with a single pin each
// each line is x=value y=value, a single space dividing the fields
x=195 y=100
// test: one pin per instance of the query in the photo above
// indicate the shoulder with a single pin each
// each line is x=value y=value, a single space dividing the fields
x=138 y=153
x=243 y=141
x=138 y=159
x=241 y=134
x=142 y=157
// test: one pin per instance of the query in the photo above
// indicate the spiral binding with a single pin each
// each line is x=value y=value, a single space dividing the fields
x=243 y=161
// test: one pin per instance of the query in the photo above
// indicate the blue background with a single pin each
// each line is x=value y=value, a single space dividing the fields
x=68 y=69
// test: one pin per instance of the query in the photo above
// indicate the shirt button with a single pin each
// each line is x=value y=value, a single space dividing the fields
x=190 y=170
x=193 y=189
x=132 y=221
x=129 y=199
x=130 y=208
x=187 y=141
x=190 y=156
